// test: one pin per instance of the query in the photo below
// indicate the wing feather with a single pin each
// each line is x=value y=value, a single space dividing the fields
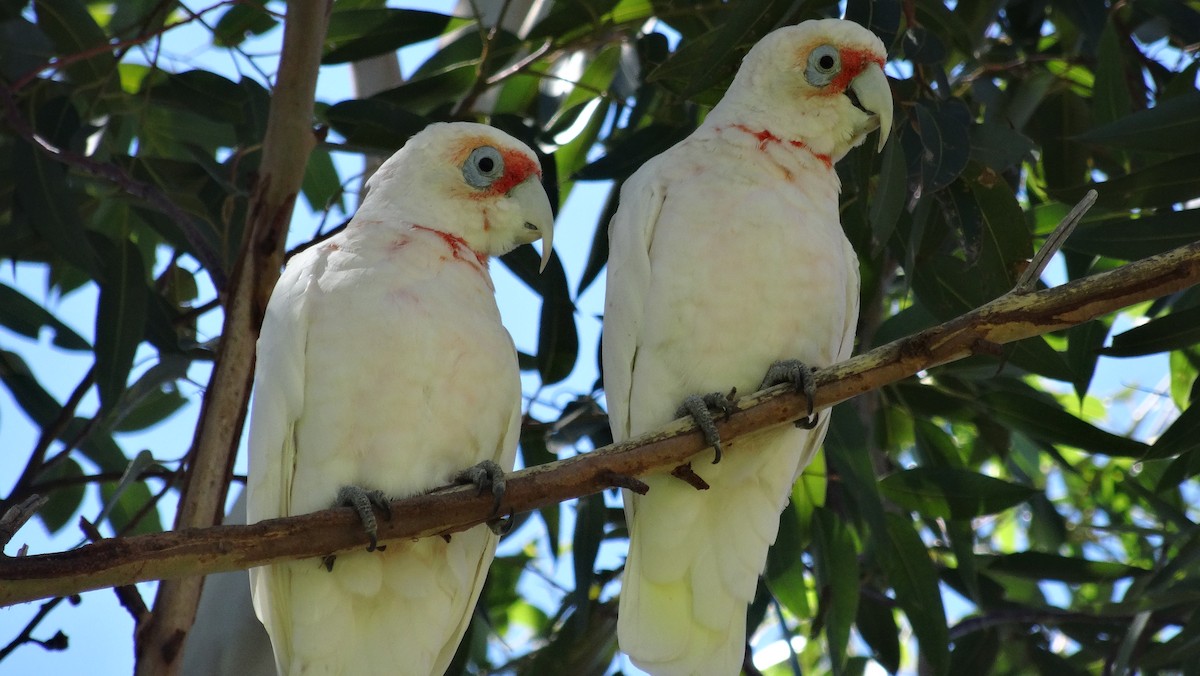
x=278 y=401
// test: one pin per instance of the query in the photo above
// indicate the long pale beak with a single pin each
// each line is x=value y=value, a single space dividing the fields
x=875 y=96
x=539 y=217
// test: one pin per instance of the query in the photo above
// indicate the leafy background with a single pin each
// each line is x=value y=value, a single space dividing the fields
x=1012 y=514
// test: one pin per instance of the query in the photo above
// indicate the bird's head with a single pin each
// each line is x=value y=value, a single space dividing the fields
x=820 y=82
x=468 y=180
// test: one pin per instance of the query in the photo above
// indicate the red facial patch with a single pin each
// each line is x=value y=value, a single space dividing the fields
x=458 y=245
x=853 y=63
x=517 y=167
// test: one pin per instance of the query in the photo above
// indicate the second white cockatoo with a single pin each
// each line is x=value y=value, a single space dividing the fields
x=383 y=372
x=727 y=262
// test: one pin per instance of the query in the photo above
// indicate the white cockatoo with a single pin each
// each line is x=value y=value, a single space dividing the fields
x=383 y=372
x=727 y=261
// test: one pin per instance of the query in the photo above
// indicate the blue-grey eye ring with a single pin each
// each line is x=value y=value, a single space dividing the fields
x=484 y=165
x=824 y=63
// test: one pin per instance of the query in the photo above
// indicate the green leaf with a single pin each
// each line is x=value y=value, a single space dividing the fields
x=1159 y=185
x=558 y=338
x=938 y=145
x=1110 y=96
x=975 y=653
x=41 y=407
x=1043 y=566
x=784 y=574
x=947 y=493
x=1061 y=115
x=120 y=321
x=357 y=34
x=835 y=560
x=1183 y=436
x=41 y=192
x=126 y=506
x=374 y=122
x=241 y=21
x=1083 y=351
x=999 y=146
x=1047 y=421
x=73 y=30
x=64 y=501
x=21 y=315
x=1132 y=237
x=631 y=150
x=1175 y=331
x=568 y=17
x=1158 y=129
x=912 y=576
x=598 y=253
x=322 y=186
x=593 y=84
x=876 y=624
x=589 y=531
x=890 y=193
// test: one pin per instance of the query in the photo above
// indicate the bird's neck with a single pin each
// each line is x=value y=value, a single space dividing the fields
x=771 y=130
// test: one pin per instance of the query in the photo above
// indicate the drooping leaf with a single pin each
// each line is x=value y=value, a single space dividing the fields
x=357 y=34
x=119 y=320
x=21 y=315
x=1047 y=421
x=911 y=575
x=1175 y=331
x=241 y=21
x=835 y=560
x=64 y=499
x=1158 y=129
x=1133 y=238
x=947 y=493
x=1043 y=566
x=73 y=30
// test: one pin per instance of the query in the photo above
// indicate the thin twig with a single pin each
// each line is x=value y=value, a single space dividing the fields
x=17 y=515
x=26 y=635
x=1053 y=243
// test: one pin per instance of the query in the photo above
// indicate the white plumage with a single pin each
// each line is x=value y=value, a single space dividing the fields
x=727 y=254
x=383 y=364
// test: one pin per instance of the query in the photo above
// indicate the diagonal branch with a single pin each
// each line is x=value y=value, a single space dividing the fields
x=204 y=551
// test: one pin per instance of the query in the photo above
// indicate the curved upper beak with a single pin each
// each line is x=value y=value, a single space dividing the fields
x=539 y=217
x=875 y=96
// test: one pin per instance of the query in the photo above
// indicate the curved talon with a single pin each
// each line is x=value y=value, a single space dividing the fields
x=486 y=474
x=501 y=525
x=361 y=501
x=700 y=409
x=800 y=376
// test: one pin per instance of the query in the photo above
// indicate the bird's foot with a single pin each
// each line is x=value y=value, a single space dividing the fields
x=362 y=500
x=501 y=525
x=700 y=408
x=800 y=376
x=484 y=476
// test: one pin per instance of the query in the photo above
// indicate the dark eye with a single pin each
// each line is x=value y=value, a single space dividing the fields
x=483 y=166
x=824 y=63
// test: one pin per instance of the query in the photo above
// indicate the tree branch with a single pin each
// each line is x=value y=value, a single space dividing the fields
x=212 y=550
x=287 y=144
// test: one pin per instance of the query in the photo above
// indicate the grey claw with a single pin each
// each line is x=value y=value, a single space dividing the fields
x=800 y=376
x=362 y=500
x=501 y=525
x=700 y=408
x=486 y=474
